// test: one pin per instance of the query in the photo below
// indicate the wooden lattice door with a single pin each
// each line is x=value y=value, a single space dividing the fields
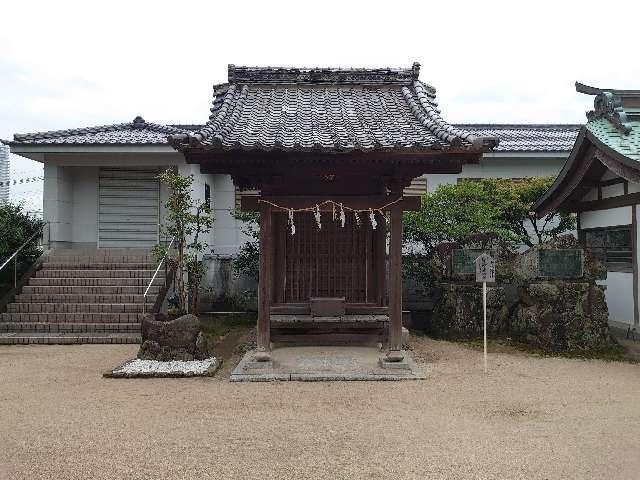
x=329 y=262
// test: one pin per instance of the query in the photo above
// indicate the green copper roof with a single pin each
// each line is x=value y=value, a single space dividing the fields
x=611 y=136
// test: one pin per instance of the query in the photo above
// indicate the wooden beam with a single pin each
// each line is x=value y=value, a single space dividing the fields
x=264 y=281
x=634 y=259
x=612 y=181
x=395 y=281
x=604 y=204
x=436 y=161
x=252 y=204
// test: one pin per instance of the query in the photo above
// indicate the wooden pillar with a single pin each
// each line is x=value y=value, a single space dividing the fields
x=634 y=259
x=381 y=262
x=395 y=281
x=264 y=281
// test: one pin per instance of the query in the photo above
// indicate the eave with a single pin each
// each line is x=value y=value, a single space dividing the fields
x=588 y=160
x=38 y=151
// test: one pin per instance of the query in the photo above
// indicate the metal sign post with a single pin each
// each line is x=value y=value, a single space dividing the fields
x=485 y=272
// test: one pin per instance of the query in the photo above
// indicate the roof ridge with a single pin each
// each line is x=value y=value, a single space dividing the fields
x=67 y=132
x=332 y=75
x=137 y=122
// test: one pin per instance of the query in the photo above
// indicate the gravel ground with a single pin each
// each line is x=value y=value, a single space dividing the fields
x=530 y=418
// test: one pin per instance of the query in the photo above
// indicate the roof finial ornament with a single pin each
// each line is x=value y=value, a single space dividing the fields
x=138 y=122
x=415 y=69
x=606 y=104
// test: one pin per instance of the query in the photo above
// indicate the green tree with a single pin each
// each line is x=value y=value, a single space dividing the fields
x=186 y=221
x=16 y=226
x=515 y=199
x=247 y=260
x=469 y=210
x=500 y=207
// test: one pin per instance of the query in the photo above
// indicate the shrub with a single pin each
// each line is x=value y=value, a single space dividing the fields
x=17 y=226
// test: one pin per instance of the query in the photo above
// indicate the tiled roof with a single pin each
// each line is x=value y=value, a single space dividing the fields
x=611 y=136
x=613 y=128
x=330 y=110
x=528 y=138
x=137 y=132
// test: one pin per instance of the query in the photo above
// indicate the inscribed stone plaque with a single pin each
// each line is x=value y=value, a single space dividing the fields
x=560 y=263
x=463 y=261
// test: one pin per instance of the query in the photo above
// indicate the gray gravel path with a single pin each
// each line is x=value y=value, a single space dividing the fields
x=531 y=418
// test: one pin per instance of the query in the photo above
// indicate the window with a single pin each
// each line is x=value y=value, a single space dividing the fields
x=207 y=195
x=612 y=245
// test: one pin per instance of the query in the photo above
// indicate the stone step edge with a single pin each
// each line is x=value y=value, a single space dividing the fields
x=71 y=327
x=139 y=298
x=71 y=339
x=71 y=317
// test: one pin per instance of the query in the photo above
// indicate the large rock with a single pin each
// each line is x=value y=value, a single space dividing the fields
x=563 y=316
x=458 y=313
x=179 y=339
x=555 y=316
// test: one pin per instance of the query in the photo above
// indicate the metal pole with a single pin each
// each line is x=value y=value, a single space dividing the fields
x=15 y=271
x=484 y=311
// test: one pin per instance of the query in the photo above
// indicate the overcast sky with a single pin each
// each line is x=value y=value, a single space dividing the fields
x=66 y=64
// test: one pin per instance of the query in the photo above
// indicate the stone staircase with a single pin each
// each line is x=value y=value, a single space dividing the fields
x=83 y=297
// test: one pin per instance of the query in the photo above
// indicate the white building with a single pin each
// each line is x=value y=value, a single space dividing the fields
x=4 y=173
x=601 y=182
x=100 y=188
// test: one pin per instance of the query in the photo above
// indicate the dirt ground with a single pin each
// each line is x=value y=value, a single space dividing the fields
x=530 y=418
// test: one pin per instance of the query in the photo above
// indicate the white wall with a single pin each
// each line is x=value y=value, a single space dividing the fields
x=70 y=203
x=606 y=218
x=58 y=202
x=227 y=230
x=84 y=226
x=619 y=295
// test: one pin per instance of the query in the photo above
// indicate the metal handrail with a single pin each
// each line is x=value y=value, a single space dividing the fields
x=14 y=256
x=144 y=297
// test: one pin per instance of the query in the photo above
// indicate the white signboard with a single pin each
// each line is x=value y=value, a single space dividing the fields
x=485 y=269
x=485 y=272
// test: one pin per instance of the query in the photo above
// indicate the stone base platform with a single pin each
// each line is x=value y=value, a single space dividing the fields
x=325 y=363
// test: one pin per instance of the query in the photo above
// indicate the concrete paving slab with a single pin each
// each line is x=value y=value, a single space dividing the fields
x=322 y=363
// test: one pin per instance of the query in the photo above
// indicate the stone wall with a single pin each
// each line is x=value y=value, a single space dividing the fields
x=553 y=315
x=563 y=314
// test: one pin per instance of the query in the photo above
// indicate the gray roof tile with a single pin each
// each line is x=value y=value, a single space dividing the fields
x=137 y=132
x=330 y=110
x=528 y=138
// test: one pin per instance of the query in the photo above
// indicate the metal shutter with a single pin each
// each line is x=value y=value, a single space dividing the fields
x=128 y=207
